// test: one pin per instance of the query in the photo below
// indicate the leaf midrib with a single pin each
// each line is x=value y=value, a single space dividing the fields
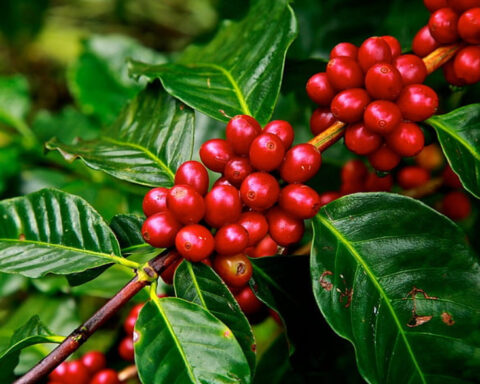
x=380 y=289
x=196 y=285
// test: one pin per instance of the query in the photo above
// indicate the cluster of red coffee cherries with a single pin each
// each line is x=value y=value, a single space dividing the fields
x=247 y=211
x=379 y=93
x=89 y=369
x=451 y=22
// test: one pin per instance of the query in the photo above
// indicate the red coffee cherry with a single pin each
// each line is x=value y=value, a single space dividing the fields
x=299 y=200
x=450 y=75
x=469 y=26
x=59 y=373
x=372 y=51
x=433 y=5
x=125 y=349
x=135 y=311
x=344 y=73
x=283 y=227
x=255 y=224
x=328 y=197
x=382 y=116
x=155 y=201
x=215 y=153
x=260 y=191
x=129 y=324
x=231 y=239
x=235 y=270
x=450 y=178
x=301 y=163
x=360 y=140
x=223 y=206
x=160 y=229
x=383 y=81
x=456 y=205
x=237 y=170
x=349 y=105
x=407 y=139
x=417 y=102
x=423 y=43
x=354 y=171
x=467 y=64
x=384 y=159
x=222 y=181
x=376 y=183
x=248 y=302
x=240 y=132
x=344 y=49
x=443 y=25
x=411 y=68
x=77 y=373
x=173 y=261
x=186 y=204
x=94 y=361
x=283 y=130
x=394 y=45
x=266 y=152
x=194 y=174
x=462 y=5
x=194 y=242
x=265 y=247
x=430 y=157
x=319 y=89
x=320 y=120
x=412 y=177
x=106 y=376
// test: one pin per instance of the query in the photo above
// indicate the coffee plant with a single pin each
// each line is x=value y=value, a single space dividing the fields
x=239 y=192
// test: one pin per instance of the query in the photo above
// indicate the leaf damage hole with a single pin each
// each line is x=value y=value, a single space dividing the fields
x=417 y=320
x=447 y=319
x=327 y=285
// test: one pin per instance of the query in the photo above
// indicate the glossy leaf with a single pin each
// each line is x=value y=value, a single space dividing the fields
x=239 y=71
x=459 y=136
x=178 y=341
x=99 y=78
x=32 y=332
x=127 y=229
x=53 y=232
x=198 y=283
x=150 y=139
x=398 y=280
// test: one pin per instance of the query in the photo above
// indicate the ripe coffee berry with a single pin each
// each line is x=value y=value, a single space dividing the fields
x=283 y=227
x=417 y=102
x=265 y=247
x=344 y=49
x=194 y=174
x=301 y=163
x=383 y=81
x=59 y=373
x=255 y=224
x=412 y=177
x=433 y=5
x=450 y=75
x=125 y=349
x=173 y=261
x=319 y=89
x=240 y=132
x=456 y=205
x=372 y=51
x=349 y=105
x=222 y=205
x=328 y=197
x=235 y=270
x=215 y=153
x=266 y=152
x=407 y=139
x=155 y=201
x=394 y=45
x=231 y=239
x=77 y=373
x=283 y=130
x=320 y=120
x=450 y=178
x=186 y=204
x=259 y=191
x=467 y=64
x=248 y=302
x=353 y=171
x=129 y=324
x=376 y=183
x=423 y=43
x=412 y=69
x=462 y=5
x=237 y=170
x=360 y=140
x=222 y=181
x=344 y=73
x=469 y=26
x=194 y=242
x=382 y=116
x=106 y=376
x=160 y=229
x=299 y=200
x=94 y=361
x=384 y=159
x=443 y=25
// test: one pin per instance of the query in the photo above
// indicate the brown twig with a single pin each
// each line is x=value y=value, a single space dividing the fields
x=128 y=373
x=144 y=277
x=427 y=189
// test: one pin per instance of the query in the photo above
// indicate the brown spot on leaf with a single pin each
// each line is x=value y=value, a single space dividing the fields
x=416 y=320
x=448 y=319
x=326 y=284
x=254 y=347
x=182 y=107
x=21 y=237
x=227 y=333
